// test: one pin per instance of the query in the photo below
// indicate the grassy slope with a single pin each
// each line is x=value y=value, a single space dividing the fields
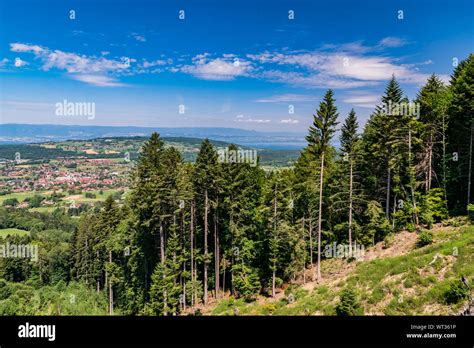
x=12 y=232
x=412 y=283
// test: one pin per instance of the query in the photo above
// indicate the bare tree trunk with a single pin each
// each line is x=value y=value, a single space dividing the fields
x=206 y=228
x=311 y=242
x=183 y=241
x=216 y=255
x=430 y=163
x=162 y=257
x=413 y=198
x=444 y=161
x=193 y=291
x=320 y=216
x=350 y=207
x=274 y=236
x=387 y=204
x=111 y=294
x=304 y=253
x=223 y=276
x=470 y=166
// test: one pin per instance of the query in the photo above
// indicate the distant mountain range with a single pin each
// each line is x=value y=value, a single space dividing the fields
x=12 y=133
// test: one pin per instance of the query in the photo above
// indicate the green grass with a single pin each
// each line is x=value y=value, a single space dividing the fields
x=43 y=209
x=20 y=196
x=410 y=284
x=12 y=232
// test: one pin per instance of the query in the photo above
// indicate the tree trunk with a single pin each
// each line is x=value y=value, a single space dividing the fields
x=412 y=179
x=387 y=204
x=430 y=163
x=311 y=242
x=274 y=236
x=216 y=254
x=444 y=162
x=206 y=227
x=111 y=294
x=191 y=237
x=470 y=166
x=350 y=208
x=162 y=258
x=304 y=250
x=320 y=216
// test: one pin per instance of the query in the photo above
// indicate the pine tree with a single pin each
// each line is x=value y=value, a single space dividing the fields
x=349 y=140
x=460 y=134
x=205 y=183
x=320 y=133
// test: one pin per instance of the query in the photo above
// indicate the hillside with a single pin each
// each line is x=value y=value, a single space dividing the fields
x=395 y=279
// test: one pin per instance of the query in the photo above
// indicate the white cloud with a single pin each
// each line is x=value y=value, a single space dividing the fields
x=290 y=121
x=88 y=69
x=98 y=80
x=4 y=61
x=242 y=118
x=362 y=100
x=286 y=98
x=219 y=69
x=138 y=37
x=392 y=42
x=19 y=47
x=335 y=69
x=147 y=64
x=19 y=62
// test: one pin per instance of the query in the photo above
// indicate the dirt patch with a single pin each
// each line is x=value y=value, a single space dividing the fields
x=403 y=242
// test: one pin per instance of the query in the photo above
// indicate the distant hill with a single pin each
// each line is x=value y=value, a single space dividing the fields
x=31 y=133
x=115 y=147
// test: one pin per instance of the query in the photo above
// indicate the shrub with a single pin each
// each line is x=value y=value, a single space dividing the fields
x=470 y=211
x=10 y=202
x=436 y=205
x=425 y=238
x=349 y=304
x=457 y=291
x=456 y=221
x=388 y=240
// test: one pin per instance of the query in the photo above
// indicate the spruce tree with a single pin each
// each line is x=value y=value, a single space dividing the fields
x=320 y=133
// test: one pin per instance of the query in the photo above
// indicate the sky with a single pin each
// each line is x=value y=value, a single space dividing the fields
x=260 y=65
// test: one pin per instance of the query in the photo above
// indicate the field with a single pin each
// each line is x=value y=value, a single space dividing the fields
x=13 y=232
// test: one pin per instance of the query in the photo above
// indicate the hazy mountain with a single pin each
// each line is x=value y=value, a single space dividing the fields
x=30 y=133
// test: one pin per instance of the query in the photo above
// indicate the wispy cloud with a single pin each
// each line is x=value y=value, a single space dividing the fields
x=19 y=62
x=336 y=69
x=362 y=100
x=290 y=121
x=242 y=118
x=88 y=69
x=138 y=37
x=221 y=69
x=287 y=98
x=392 y=42
x=98 y=80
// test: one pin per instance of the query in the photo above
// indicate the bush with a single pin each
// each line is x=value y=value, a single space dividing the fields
x=425 y=238
x=470 y=212
x=388 y=240
x=457 y=292
x=349 y=304
x=456 y=221
x=436 y=205
x=13 y=202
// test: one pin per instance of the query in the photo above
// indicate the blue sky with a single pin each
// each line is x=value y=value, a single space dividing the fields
x=242 y=64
